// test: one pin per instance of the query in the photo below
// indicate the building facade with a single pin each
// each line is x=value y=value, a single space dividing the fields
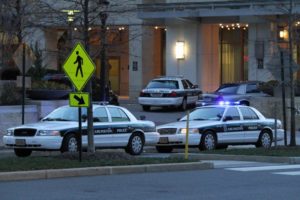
x=221 y=41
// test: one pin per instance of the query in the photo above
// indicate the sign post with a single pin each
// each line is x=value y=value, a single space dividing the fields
x=79 y=67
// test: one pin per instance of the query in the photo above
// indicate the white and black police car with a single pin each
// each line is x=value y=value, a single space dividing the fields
x=114 y=127
x=212 y=127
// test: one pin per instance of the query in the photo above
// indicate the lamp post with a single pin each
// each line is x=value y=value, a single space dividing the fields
x=103 y=72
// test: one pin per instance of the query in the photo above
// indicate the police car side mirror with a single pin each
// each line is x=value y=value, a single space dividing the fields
x=84 y=117
x=195 y=86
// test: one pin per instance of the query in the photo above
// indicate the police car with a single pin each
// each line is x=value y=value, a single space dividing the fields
x=169 y=91
x=114 y=127
x=212 y=127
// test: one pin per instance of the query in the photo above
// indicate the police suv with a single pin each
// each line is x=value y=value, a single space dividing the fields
x=212 y=127
x=114 y=127
x=169 y=91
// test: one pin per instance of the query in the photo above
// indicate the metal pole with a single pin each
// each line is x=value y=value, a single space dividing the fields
x=186 y=149
x=79 y=134
x=283 y=97
x=275 y=128
x=23 y=83
x=103 y=81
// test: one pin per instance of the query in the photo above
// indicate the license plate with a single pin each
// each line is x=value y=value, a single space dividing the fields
x=156 y=95
x=20 y=142
x=163 y=140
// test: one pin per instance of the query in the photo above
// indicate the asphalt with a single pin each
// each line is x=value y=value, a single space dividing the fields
x=204 y=163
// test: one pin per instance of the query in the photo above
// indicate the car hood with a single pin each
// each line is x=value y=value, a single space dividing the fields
x=192 y=124
x=49 y=125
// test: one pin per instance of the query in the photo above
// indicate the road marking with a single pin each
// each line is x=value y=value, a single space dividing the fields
x=264 y=168
x=295 y=173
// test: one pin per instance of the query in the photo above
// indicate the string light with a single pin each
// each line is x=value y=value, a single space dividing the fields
x=235 y=26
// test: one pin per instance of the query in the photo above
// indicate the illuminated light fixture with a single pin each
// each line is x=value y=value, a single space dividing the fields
x=283 y=34
x=179 y=48
x=70 y=14
x=75 y=29
x=156 y=27
x=165 y=29
x=89 y=28
x=107 y=28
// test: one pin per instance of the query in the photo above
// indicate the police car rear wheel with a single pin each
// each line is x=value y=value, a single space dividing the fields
x=135 y=145
x=208 y=141
x=264 y=140
x=22 y=152
x=70 y=143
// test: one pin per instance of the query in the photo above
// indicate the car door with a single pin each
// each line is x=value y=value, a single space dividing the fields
x=102 y=128
x=251 y=124
x=233 y=128
x=191 y=93
x=122 y=126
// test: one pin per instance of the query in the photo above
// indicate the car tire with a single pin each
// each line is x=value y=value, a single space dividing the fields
x=146 y=108
x=22 y=152
x=184 y=104
x=264 y=140
x=135 y=144
x=164 y=149
x=70 y=143
x=208 y=141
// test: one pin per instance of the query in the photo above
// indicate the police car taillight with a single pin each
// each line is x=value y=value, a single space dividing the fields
x=143 y=94
x=173 y=94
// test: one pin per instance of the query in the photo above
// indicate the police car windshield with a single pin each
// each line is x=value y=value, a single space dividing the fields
x=169 y=84
x=206 y=113
x=65 y=114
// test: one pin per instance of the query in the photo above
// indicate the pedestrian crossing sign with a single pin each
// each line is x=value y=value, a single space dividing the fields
x=79 y=67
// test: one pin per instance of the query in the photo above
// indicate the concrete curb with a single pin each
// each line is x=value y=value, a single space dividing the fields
x=270 y=159
x=96 y=171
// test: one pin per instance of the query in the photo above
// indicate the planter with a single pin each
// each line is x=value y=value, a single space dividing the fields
x=46 y=94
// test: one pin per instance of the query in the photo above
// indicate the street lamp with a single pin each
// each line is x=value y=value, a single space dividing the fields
x=103 y=73
x=70 y=20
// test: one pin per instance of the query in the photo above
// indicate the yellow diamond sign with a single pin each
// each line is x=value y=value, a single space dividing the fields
x=79 y=67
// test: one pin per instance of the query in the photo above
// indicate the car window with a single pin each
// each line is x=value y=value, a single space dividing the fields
x=189 y=83
x=118 y=115
x=228 y=89
x=252 y=88
x=64 y=114
x=185 y=85
x=248 y=113
x=100 y=115
x=206 y=113
x=169 y=84
x=232 y=114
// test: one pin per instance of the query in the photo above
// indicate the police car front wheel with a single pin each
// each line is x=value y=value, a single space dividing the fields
x=264 y=140
x=70 y=143
x=208 y=141
x=135 y=145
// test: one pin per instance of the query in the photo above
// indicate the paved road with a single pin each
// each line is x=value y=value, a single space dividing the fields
x=232 y=180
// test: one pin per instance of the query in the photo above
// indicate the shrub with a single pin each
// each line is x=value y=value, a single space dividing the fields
x=10 y=94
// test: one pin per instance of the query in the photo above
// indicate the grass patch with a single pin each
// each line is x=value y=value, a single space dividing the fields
x=66 y=160
x=281 y=151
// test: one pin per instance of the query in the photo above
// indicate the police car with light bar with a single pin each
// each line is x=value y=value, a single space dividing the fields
x=212 y=127
x=169 y=91
x=114 y=127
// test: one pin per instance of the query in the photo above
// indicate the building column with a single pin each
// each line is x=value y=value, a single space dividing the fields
x=135 y=61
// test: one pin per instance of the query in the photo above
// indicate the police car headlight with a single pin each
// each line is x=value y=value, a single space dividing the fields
x=10 y=132
x=48 y=133
x=191 y=131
